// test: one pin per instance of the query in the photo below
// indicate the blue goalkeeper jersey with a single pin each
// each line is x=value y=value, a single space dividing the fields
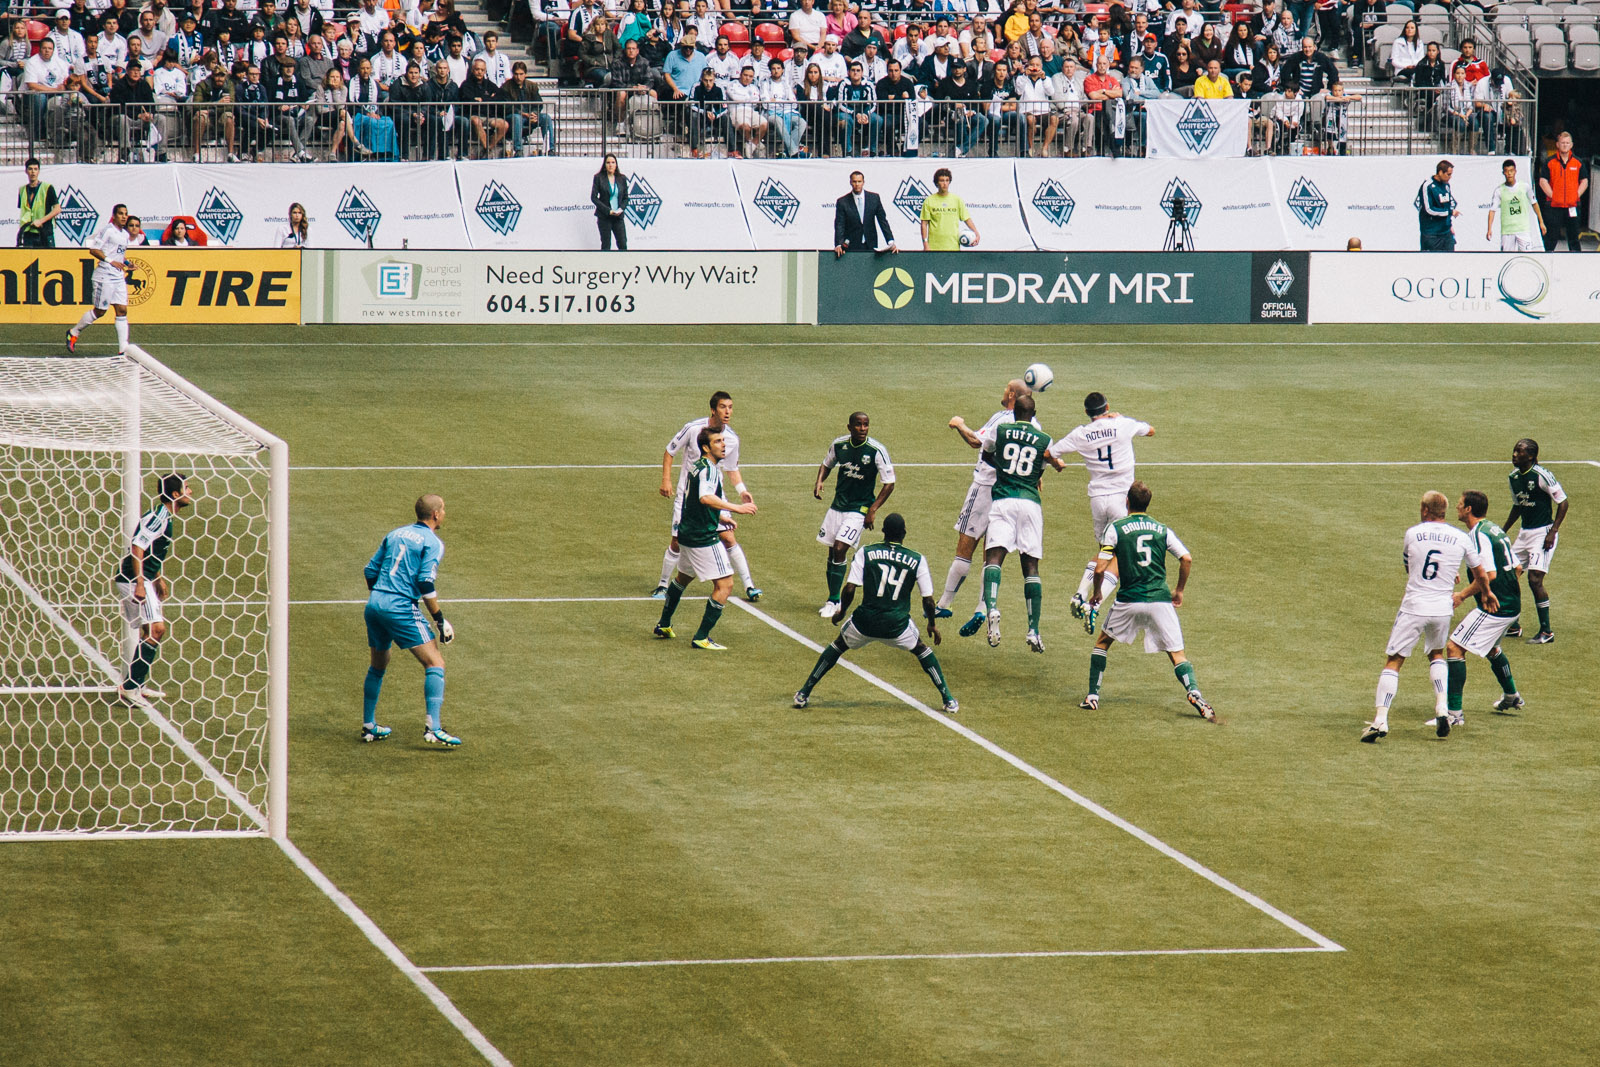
x=406 y=565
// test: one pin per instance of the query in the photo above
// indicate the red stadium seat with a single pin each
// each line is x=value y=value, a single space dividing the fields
x=1239 y=12
x=785 y=54
x=735 y=32
x=37 y=31
x=900 y=31
x=771 y=33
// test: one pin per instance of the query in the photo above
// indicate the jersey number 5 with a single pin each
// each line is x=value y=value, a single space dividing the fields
x=1019 y=460
x=1141 y=545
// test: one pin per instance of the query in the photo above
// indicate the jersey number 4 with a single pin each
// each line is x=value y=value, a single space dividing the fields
x=1104 y=456
x=892 y=576
x=1019 y=459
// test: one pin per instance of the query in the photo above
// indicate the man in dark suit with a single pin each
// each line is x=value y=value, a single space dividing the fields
x=855 y=215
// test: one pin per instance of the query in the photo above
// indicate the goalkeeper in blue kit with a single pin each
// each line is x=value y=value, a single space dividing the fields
x=401 y=572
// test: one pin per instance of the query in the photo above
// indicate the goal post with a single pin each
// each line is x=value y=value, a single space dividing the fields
x=203 y=749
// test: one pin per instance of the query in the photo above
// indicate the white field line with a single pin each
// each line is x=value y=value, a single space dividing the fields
x=1084 y=802
x=813 y=466
x=392 y=951
x=890 y=957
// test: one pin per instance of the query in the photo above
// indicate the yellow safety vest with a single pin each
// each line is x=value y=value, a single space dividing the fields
x=33 y=209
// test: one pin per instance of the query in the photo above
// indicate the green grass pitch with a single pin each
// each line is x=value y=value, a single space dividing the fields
x=624 y=800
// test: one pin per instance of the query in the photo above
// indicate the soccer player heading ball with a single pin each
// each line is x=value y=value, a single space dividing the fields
x=142 y=588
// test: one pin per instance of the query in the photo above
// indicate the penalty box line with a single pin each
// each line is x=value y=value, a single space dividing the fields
x=1323 y=943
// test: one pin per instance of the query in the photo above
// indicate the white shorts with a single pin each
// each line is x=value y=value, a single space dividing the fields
x=973 y=521
x=140 y=612
x=1517 y=242
x=1479 y=632
x=1530 y=551
x=108 y=290
x=1158 y=620
x=1105 y=510
x=854 y=638
x=1433 y=630
x=706 y=564
x=841 y=526
x=1017 y=525
x=677 y=516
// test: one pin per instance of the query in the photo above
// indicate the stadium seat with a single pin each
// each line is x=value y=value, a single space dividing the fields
x=900 y=32
x=1431 y=33
x=1586 y=57
x=1237 y=11
x=1396 y=15
x=1583 y=35
x=735 y=32
x=1434 y=9
x=785 y=54
x=771 y=33
x=197 y=233
x=37 y=31
x=1547 y=33
x=1553 y=58
x=1512 y=35
x=1522 y=53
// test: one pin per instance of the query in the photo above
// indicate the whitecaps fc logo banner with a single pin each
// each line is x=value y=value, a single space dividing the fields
x=1198 y=129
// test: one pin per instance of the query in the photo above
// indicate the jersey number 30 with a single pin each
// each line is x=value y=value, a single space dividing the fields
x=1019 y=459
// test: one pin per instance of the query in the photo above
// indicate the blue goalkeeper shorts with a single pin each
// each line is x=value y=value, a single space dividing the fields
x=391 y=620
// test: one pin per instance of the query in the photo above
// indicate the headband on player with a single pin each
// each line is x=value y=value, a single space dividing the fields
x=1095 y=404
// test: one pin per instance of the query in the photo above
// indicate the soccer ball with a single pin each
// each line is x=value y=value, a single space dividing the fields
x=1038 y=377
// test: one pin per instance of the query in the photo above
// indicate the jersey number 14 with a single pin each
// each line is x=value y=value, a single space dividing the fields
x=892 y=576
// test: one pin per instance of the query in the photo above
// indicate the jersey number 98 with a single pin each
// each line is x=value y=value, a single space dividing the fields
x=1019 y=459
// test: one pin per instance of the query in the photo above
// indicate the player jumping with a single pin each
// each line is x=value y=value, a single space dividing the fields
x=1018 y=450
x=140 y=585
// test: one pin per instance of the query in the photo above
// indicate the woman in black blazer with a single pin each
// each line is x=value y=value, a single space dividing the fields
x=610 y=198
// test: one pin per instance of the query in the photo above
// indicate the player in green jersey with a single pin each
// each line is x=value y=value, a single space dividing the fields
x=701 y=552
x=140 y=586
x=1513 y=201
x=862 y=461
x=885 y=573
x=1540 y=502
x=1480 y=631
x=1140 y=545
x=1018 y=452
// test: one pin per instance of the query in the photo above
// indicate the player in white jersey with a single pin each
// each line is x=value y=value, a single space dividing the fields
x=683 y=445
x=1433 y=552
x=109 y=247
x=973 y=521
x=1106 y=444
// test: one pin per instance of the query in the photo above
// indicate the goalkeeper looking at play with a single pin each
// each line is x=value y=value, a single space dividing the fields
x=402 y=571
x=140 y=585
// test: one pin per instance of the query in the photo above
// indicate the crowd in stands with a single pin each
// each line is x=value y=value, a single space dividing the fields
x=410 y=80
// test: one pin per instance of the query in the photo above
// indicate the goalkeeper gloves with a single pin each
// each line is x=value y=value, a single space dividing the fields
x=447 y=633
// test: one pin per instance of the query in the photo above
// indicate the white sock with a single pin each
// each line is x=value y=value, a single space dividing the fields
x=736 y=553
x=1388 y=683
x=1108 y=586
x=952 y=581
x=1439 y=675
x=669 y=565
x=1087 y=582
x=122 y=333
x=84 y=323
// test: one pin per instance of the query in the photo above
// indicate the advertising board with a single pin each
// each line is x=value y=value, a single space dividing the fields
x=167 y=285
x=1479 y=287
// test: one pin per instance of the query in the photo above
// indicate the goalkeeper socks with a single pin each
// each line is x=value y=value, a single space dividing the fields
x=1033 y=594
x=139 y=669
x=930 y=665
x=836 y=573
x=1455 y=682
x=1439 y=675
x=433 y=694
x=1388 y=684
x=1544 y=615
x=1502 y=672
x=740 y=564
x=1185 y=673
x=824 y=664
x=122 y=333
x=708 y=620
x=674 y=594
x=991 y=585
x=1097 y=669
x=369 y=695
x=84 y=323
x=669 y=565
x=952 y=581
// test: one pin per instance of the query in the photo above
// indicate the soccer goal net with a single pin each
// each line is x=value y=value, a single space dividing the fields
x=201 y=746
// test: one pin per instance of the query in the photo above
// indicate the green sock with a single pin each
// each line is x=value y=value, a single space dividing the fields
x=1502 y=672
x=1544 y=615
x=139 y=669
x=836 y=573
x=1185 y=673
x=1455 y=682
x=825 y=662
x=1033 y=593
x=930 y=664
x=991 y=585
x=1097 y=669
x=708 y=620
x=674 y=594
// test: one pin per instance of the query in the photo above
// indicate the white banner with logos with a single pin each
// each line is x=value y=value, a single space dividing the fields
x=1326 y=200
x=791 y=204
x=87 y=193
x=1197 y=129
x=514 y=287
x=544 y=203
x=348 y=205
x=1454 y=287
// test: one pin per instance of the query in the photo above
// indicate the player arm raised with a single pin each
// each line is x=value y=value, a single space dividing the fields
x=959 y=425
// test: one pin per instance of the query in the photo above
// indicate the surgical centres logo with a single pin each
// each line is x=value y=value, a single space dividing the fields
x=893 y=288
